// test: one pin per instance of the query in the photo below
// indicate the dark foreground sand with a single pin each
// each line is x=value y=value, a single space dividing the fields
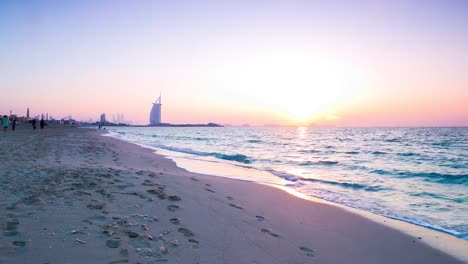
x=70 y=195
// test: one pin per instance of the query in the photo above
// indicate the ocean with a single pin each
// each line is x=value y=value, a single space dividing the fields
x=417 y=175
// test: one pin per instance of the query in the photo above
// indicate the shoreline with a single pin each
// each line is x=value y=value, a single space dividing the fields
x=107 y=193
x=400 y=183
x=450 y=242
x=435 y=238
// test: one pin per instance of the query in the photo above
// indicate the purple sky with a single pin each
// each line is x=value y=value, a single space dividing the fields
x=371 y=63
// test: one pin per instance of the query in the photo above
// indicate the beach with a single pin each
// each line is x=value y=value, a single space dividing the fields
x=71 y=195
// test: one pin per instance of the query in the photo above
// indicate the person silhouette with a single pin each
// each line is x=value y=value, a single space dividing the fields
x=13 y=124
x=34 y=123
x=5 y=123
x=42 y=123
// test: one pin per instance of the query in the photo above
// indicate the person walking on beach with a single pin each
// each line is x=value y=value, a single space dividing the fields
x=42 y=123
x=5 y=123
x=34 y=123
x=13 y=124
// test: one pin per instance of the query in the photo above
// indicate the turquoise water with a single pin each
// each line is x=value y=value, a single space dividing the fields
x=418 y=175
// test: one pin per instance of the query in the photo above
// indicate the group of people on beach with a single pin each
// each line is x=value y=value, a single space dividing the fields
x=5 y=121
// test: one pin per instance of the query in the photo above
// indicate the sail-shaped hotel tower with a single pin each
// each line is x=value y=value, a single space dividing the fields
x=155 y=115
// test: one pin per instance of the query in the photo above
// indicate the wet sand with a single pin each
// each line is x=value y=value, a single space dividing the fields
x=71 y=195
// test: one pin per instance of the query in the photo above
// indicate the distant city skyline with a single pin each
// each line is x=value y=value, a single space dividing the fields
x=330 y=63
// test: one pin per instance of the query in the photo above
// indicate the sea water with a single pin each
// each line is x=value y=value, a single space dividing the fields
x=417 y=175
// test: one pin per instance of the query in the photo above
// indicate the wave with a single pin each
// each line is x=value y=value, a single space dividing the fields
x=424 y=223
x=254 y=141
x=232 y=157
x=378 y=153
x=438 y=177
x=438 y=196
x=393 y=140
x=442 y=143
x=428 y=194
x=355 y=186
x=311 y=151
x=407 y=154
x=352 y=152
x=328 y=162
x=191 y=138
x=284 y=175
x=320 y=162
x=236 y=157
x=428 y=176
x=455 y=166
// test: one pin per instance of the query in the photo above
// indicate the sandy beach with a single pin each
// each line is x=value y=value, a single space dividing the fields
x=71 y=195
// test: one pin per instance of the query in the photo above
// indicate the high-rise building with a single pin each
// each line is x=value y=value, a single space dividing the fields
x=103 y=118
x=27 y=114
x=155 y=114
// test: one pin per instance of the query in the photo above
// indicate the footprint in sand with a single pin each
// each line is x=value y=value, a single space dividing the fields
x=174 y=198
x=159 y=193
x=185 y=231
x=173 y=207
x=113 y=243
x=123 y=252
x=195 y=243
x=119 y=261
x=95 y=206
x=11 y=228
x=209 y=190
x=148 y=183
x=12 y=224
x=260 y=218
x=266 y=231
x=10 y=233
x=132 y=234
x=235 y=206
x=229 y=198
x=136 y=194
x=309 y=252
x=195 y=179
x=19 y=243
x=175 y=220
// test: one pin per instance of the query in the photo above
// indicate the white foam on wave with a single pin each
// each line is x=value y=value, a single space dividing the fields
x=289 y=183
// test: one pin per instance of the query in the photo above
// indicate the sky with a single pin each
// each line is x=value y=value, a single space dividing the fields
x=326 y=63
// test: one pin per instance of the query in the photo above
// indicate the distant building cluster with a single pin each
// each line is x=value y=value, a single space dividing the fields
x=154 y=119
x=47 y=119
x=118 y=118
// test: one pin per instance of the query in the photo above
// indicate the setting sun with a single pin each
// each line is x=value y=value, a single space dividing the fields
x=294 y=83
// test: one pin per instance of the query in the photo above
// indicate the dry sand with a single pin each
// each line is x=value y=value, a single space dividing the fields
x=70 y=195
